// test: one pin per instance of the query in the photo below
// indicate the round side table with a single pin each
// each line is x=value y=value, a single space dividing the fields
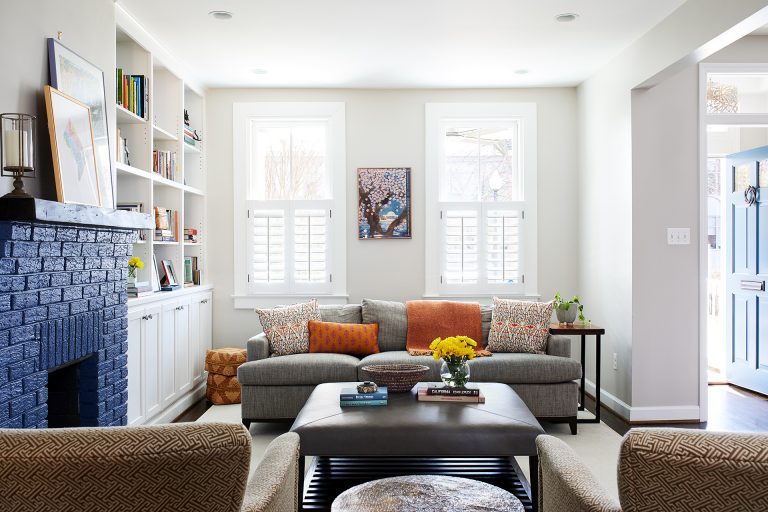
x=426 y=493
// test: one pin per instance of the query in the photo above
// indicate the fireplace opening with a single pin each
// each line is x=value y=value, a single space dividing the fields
x=64 y=395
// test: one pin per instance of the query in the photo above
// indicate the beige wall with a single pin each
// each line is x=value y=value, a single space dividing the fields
x=88 y=29
x=386 y=128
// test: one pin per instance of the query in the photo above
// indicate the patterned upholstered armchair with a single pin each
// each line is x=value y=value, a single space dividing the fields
x=669 y=470
x=183 y=467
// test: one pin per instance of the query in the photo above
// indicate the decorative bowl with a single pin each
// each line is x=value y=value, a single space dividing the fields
x=399 y=378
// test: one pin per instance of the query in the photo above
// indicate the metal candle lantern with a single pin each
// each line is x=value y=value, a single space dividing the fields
x=18 y=136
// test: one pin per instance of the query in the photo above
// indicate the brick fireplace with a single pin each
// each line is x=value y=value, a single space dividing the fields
x=63 y=323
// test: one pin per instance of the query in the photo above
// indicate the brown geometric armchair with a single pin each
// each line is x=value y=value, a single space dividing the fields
x=661 y=470
x=181 y=467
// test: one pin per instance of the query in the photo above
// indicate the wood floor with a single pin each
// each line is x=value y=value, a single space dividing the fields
x=731 y=409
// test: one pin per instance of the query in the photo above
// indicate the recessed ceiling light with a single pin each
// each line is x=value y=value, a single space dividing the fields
x=566 y=17
x=259 y=71
x=521 y=71
x=221 y=15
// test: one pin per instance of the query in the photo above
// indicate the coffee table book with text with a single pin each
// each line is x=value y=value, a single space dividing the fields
x=350 y=397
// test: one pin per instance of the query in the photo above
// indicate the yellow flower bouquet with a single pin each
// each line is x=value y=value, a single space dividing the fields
x=455 y=351
x=133 y=264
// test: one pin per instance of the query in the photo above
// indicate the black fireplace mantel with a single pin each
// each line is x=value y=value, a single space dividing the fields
x=39 y=210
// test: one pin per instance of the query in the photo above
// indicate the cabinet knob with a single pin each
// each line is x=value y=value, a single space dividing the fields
x=179 y=308
x=204 y=301
x=145 y=317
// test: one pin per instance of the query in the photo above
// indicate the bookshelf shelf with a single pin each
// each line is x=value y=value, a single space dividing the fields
x=189 y=148
x=162 y=134
x=125 y=116
x=193 y=244
x=161 y=130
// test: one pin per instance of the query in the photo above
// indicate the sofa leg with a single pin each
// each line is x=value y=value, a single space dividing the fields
x=574 y=424
x=247 y=423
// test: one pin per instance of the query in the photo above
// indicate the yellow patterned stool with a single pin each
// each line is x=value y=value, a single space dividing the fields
x=221 y=364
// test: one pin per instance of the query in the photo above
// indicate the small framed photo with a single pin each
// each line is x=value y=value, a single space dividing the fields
x=170 y=274
x=72 y=149
x=157 y=277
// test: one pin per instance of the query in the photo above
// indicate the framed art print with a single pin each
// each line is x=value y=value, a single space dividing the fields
x=82 y=80
x=72 y=149
x=170 y=274
x=384 y=202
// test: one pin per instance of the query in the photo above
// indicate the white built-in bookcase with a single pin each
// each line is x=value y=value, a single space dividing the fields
x=169 y=94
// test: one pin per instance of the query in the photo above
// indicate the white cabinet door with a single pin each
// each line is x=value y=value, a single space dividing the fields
x=151 y=336
x=195 y=362
x=206 y=326
x=182 y=367
x=168 y=353
x=135 y=363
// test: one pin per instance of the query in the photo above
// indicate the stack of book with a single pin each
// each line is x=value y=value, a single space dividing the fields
x=190 y=138
x=139 y=289
x=132 y=93
x=164 y=164
x=349 y=397
x=166 y=224
x=447 y=394
x=191 y=271
x=190 y=236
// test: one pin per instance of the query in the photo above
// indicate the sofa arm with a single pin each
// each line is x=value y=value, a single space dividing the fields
x=258 y=347
x=559 y=346
x=565 y=483
x=274 y=486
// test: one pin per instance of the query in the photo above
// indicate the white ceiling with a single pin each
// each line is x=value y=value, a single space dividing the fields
x=396 y=43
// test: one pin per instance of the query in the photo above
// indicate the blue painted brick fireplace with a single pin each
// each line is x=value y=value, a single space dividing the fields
x=62 y=300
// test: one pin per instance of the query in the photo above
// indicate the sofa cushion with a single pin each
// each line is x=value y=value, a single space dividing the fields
x=299 y=369
x=521 y=368
x=519 y=326
x=400 y=357
x=286 y=327
x=392 y=320
x=342 y=313
x=334 y=338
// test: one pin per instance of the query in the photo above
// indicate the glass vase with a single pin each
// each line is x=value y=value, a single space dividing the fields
x=455 y=373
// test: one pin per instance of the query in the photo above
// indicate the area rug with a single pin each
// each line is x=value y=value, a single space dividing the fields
x=596 y=443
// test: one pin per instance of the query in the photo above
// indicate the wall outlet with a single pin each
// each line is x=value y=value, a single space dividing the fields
x=615 y=361
x=678 y=236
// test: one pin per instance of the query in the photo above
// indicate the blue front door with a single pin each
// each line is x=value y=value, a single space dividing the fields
x=746 y=270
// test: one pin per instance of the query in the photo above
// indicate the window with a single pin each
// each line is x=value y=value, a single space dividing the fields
x=481 y=199
x=289 y=198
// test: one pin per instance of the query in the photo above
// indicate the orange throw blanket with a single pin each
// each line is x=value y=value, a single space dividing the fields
x=430 y=319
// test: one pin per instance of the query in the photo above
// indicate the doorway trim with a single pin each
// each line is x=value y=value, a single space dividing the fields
x=706 y=119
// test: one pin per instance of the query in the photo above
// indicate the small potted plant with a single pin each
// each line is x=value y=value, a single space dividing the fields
x=568 y=310
x=134 y=265
x=455 y=351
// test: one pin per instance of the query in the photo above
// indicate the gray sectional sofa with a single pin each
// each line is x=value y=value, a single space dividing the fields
x=277 y=387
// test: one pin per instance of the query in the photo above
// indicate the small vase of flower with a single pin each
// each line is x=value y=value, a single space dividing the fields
x=134 y=265
x=455 y=351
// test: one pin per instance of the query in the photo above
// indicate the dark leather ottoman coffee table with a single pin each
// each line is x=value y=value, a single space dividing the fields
x=419 y=437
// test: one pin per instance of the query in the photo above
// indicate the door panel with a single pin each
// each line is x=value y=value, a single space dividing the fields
x=181 y=334
x=168 y=353
x=747 y=264
x=194 y=340
x=152 y=352
x=135 y=394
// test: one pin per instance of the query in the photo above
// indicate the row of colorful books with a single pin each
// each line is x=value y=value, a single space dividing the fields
x=191 y=271
x=133 y=93
x=164 y=163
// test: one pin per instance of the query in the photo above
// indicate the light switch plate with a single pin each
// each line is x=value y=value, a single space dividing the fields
x=678 y=236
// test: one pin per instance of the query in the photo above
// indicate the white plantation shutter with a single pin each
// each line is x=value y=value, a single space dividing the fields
x=288 y=246
x=461 y=236
x=503 y=230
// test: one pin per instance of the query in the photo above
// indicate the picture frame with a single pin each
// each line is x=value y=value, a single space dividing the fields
x=72 y=149
x=156 y=278
x=170 y=274
x=84 y=81
x=384 y=203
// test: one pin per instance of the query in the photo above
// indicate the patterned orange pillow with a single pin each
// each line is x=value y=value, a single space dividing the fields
x=353 y=339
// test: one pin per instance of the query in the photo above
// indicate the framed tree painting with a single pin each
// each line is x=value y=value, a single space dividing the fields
x=82 y=80
x=72 y=149
x=384 y=202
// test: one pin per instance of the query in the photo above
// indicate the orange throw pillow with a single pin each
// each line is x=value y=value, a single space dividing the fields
x=430 y=319
x=353 y=339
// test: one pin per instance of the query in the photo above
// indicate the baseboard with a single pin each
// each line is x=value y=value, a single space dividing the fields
x=179 y=406
x=671 y=413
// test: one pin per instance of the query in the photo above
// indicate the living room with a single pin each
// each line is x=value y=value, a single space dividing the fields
x=286 y=208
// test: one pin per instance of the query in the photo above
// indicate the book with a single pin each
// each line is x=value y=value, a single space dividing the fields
x=351 y=394
x=187 y=269
x=362 y=403
x=423 y=396
x=449 y=391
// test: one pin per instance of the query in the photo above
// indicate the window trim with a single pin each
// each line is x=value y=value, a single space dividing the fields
x=334 y=114
x=435 y=115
